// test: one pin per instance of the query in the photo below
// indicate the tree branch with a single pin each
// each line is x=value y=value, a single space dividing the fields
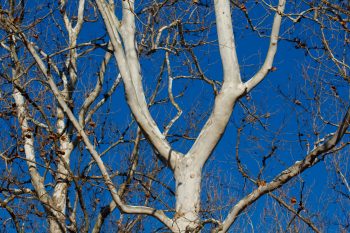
x=310 y=160
x=265 y=69
x=124 y=208
x=129 y=68
x=306 y=220
x=231 y=90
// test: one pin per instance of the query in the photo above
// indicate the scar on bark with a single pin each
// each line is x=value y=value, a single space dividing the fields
x=169 y=158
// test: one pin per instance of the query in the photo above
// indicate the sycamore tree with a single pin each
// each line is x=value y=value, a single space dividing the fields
x=174 y=116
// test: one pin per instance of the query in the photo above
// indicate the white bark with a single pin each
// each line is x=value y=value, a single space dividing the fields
x=188 y=188
x=98 y=87
x=56 y=204
x=187 y=170
x=129 y=67
x=266 y=67
x=188 y=176
x=231 y=90
x=296 y=169
x=29 y=151
x=56 y=215
x=59 y=196
x=124 y=208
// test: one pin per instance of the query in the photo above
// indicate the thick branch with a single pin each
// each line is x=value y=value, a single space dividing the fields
x=231 y=90
x=264 y=70
x=227 y=42
x=22 y=115
x=89 y=146
x=294 y=170
x=129 y=68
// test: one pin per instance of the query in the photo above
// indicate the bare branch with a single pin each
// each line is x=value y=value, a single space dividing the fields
x=98 y=87
x=129 y=68
x=306 y=220
x=294 y=170
x=231 y=90
x=264 y=70
x=171 y=97
x=122 y=207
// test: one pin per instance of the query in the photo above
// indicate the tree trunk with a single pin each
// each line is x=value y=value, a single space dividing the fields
x=57 y=224
x=59 y=197
x=188 y=188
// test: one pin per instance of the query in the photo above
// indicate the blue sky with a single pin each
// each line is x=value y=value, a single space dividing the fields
x=288 y=126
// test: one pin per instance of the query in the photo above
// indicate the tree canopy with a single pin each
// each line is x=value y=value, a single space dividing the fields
x=174 y=116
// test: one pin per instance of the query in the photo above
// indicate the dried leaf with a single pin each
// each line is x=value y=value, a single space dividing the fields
x=293 y=200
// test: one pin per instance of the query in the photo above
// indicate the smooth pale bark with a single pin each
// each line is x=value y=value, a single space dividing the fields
x=266 y=67
x=29 y=151
x=188 y=177
x=55 y=215
x=98 y=86
x=231 y=90
x=124 y=208
x=123 y=34
x=187 y=169
x=59 y=196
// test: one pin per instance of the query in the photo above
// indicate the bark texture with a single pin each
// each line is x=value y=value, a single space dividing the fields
x=188 y=189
